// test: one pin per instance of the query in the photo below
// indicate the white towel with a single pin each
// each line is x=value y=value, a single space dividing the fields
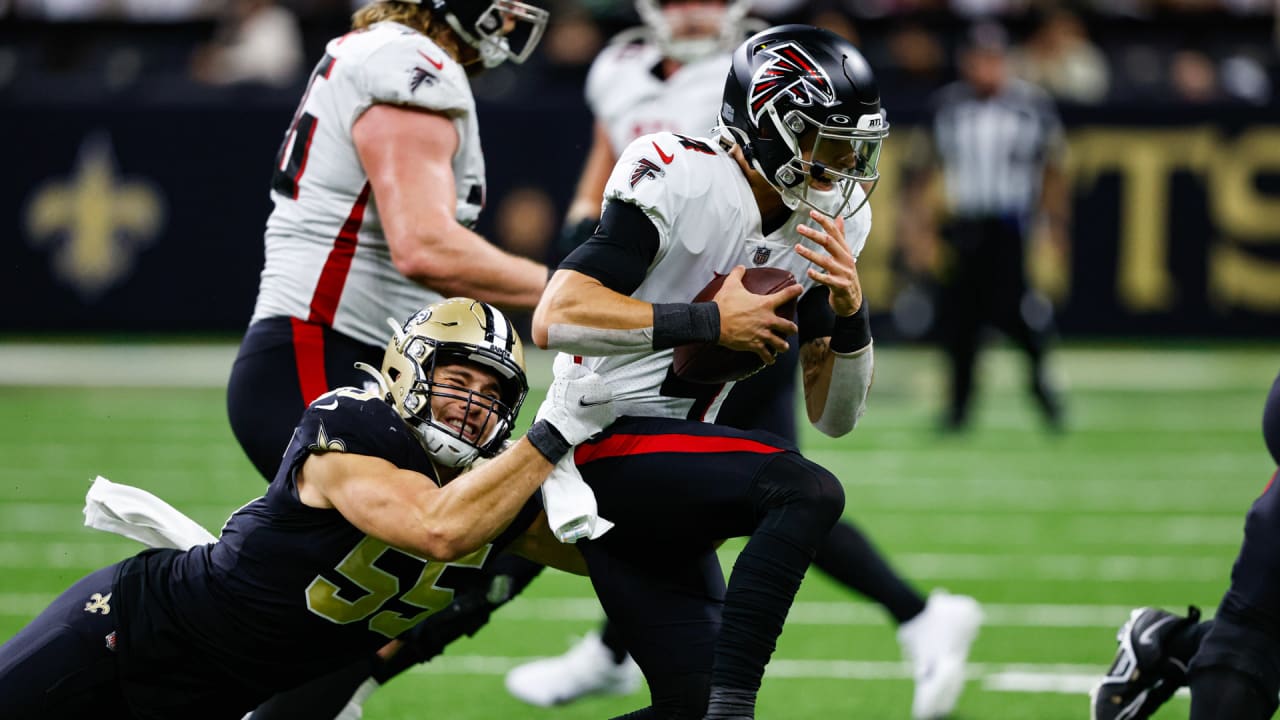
x=139 y=515
x=571 y=506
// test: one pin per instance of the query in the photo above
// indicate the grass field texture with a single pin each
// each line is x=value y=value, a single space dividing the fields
x=1140 y=502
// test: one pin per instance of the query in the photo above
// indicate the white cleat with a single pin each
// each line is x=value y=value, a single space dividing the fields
x=587 y=668
x=936 y=643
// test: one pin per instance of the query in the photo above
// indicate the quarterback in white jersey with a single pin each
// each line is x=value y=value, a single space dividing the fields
x=800 y=129
x=703 y=208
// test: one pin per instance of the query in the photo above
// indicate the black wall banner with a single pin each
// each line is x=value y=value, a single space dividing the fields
x=150 y=220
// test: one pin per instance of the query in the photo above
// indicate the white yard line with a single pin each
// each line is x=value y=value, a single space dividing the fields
x=995 y=677
x=851 y=614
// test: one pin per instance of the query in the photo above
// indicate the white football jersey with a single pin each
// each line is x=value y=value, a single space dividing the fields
x=629 y=99
x=708 y=223
x=327 y=260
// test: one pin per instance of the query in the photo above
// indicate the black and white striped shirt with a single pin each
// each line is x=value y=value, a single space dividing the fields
x=992 y=151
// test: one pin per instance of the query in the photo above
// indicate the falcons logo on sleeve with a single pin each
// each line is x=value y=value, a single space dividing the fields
x=419 y=77
x=645 y=168
x=793 y=72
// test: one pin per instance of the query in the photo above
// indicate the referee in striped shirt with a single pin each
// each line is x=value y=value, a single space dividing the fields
x=990 y=170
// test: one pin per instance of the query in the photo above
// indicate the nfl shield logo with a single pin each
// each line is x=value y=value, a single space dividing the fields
x=761 y=255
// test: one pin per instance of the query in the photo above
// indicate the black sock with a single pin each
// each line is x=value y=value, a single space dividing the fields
x=1222 y=693
x=731 y=704
x=761 y=588
x=849 y=557
x=612 y=639
x=1184 y=644
x=321 y=698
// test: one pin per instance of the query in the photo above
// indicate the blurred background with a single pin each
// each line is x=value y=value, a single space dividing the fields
x=138 y=136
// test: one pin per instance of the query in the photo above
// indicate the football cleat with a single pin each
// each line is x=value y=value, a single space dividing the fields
x=1145 y=672
x=587 y=668
x=936 y=643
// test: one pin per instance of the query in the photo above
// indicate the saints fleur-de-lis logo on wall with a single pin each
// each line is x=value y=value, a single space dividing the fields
x=95 y=220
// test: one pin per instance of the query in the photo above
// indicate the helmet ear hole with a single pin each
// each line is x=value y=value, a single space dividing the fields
x=393 y=374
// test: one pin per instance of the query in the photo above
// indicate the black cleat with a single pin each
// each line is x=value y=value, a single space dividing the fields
x=1145 y=672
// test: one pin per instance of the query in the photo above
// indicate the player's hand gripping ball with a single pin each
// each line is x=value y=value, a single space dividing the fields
x=713 y=364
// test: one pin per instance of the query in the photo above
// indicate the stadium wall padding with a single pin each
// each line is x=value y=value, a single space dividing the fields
x=149 y=219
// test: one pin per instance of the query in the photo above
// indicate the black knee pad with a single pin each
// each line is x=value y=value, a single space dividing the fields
x=1242 y=649
x=802 y=495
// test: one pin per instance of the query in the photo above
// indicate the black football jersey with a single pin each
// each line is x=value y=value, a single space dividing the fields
x=289 y=592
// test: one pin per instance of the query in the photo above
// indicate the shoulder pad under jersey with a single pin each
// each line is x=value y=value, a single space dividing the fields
x=410 y=69
x=665 y=174
x=352 y=420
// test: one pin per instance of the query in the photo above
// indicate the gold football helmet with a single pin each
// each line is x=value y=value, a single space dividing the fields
x=457 y=329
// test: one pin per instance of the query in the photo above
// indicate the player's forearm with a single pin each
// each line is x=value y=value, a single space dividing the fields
x=837 y=375
x=475 y=507
x=456 y=262
x=579 y=315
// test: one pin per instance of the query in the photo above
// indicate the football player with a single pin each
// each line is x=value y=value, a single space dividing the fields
x=1232 y=662
x=779 y=185
x=669 y=76
x=377 y=184
x=370 y=520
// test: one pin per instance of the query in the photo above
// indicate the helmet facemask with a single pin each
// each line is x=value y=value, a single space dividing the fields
x=504 y=30
x=694 y=31
x=476 y=426
x=416 y=375
x=827 y=161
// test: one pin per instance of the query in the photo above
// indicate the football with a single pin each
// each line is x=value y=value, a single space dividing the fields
x=713 y=364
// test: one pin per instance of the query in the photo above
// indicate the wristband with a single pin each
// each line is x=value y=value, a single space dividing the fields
x=546 y=439
x=684 y=323
x=852 y=333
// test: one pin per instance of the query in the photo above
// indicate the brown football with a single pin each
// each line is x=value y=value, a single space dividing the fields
x=714 y=364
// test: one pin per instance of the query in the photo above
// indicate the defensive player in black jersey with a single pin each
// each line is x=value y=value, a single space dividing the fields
x=370 y=520
x=1232 y=662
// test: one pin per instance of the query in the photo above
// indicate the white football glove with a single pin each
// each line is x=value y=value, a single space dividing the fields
x=579 y=403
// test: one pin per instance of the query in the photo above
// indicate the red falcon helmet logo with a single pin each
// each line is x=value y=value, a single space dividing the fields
x=793 y=72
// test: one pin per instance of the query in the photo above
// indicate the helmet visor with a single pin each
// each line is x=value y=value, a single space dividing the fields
x=845 y=155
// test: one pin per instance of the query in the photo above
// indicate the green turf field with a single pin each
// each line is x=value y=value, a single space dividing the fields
x=1141 y=502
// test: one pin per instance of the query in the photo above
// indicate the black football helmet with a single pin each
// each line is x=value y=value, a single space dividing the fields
x=803 y=105
x=501 y=30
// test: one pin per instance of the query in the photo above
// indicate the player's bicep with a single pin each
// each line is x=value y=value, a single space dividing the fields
x=620 y=251
x=374 y=495
x=407 y=153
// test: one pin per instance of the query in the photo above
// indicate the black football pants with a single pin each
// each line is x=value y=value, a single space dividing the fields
x=674 y=488
x=283 y=364
x=1236 y=671
x=984 y=283
x=62 y=665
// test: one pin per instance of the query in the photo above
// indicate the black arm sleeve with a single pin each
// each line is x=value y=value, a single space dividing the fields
x=621 y=249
